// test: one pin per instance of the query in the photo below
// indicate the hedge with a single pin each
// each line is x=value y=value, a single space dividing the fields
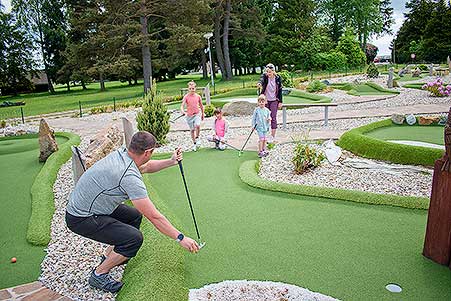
x=42 y=201
x=362 y=145
x=249 y=175
x=158 y=271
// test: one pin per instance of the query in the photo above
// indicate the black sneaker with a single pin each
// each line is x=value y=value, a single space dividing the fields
x=105 y=282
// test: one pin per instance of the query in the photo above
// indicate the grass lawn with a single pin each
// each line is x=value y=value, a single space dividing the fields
x=19 y=166
x=343 y=249
x=429 y=134
x=409 y=77
x=41 y=103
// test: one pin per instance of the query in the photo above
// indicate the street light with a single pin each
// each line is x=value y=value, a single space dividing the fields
x=208 y=36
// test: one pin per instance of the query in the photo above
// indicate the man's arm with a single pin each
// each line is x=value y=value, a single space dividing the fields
x=148 y=209
x=157 y=165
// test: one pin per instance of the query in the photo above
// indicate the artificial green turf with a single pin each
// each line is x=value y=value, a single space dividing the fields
x=18 y=169
x=368 y=88
x=429 y=134
x=347 y=250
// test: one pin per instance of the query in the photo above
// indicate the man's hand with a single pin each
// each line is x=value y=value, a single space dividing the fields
x=177 y=155
x=190 y=244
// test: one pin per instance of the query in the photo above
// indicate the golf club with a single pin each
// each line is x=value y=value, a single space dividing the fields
x=176 y=118
x=201 y=244
x=244 y=145
x=229 y=145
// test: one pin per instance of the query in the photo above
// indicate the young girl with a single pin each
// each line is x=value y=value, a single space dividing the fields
x=260 y=120
x=219 y=127
x=194 y=112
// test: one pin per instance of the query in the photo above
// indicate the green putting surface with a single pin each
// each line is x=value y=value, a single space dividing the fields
x=430 y=134
x=343 y=249
x=19 y=166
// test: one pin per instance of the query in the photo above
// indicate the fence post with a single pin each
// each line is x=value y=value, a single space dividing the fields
x=79 y=106
x=21 y=113
x=114 y=104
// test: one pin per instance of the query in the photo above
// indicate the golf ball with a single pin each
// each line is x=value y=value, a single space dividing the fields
x=13 y=260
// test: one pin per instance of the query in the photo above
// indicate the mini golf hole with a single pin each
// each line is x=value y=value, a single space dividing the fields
x=393 y=288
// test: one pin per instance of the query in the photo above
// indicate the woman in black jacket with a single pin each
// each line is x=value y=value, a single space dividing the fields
x=271 y=86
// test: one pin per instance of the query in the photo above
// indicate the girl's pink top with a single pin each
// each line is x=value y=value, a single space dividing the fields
x=193 y=102
x=220 y=127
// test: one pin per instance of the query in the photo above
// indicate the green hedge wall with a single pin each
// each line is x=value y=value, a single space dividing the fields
x=249 y=175
x=43 y=204
x=362 y=145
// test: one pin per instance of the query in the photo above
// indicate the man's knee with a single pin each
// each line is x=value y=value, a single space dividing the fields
x=131 y=247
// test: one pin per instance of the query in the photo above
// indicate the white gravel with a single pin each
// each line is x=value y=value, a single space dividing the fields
x=243 y=290
x=278 y=167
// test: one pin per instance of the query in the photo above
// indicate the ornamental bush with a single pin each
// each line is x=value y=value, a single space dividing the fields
x=316 y=86
x=437 y=88
x=306 y=157
x=286 y=79
x=209 y=110
x=154 y=117
x=372 y=71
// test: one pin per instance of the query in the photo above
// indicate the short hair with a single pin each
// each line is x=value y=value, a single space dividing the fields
x=142 y=141
x=192 y=83
x=261 y=97
x=217 y=111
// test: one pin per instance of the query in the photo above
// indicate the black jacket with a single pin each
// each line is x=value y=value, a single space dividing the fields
x=264 y=82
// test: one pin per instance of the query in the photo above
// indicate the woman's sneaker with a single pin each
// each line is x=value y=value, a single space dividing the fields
x=261 y=154
x=194 y=147
x=104 y=282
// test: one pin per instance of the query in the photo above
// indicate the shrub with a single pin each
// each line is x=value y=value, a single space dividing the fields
x=3 y=124
x=334 y=60
x=349 y=45
x=316 y=86
x=372 y=71
x=423 y=67
x=437 y=88
x=287 y=81
x=209 y=110
x=154 y=117
x=306 y=157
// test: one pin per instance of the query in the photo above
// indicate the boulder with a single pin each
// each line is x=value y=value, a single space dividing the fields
x=416 y=72
x=411 y=119
x=397 y=118
x=427 y=120
x=47 y=142
x=238 y=108
x=106 y=141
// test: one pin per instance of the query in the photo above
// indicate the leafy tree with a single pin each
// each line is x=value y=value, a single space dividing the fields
x=349 y=46
x=46 y=23
x=16 y=61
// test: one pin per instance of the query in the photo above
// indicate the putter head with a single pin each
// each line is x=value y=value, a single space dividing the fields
x=201 y=244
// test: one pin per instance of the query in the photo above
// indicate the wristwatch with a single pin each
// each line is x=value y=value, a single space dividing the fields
x=180 y=237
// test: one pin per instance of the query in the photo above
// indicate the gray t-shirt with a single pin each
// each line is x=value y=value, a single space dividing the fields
x=109 y=182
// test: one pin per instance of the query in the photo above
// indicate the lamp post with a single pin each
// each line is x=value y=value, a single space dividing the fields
x=208 y=36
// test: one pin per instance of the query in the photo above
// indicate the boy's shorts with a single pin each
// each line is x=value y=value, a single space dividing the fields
x=262 y=135
x=193 y=121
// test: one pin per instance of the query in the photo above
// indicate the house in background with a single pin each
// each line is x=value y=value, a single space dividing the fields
x=39 y=81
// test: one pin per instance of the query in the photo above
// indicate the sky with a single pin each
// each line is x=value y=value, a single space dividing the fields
x=382 y=42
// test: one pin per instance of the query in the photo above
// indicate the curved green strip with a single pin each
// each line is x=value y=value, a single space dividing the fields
x=360 y=144
x=43 y=204
x=249 y=175
x=157 y=272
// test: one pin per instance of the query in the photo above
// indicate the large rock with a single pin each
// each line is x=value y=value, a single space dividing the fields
x=239 y=108
x=47 y=142
x=427 y=120
x=397 y=118
x=416 y=73
x=106 y=141
x=411 y=119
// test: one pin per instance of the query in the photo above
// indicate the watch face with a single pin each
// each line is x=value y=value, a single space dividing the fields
x=180 y=237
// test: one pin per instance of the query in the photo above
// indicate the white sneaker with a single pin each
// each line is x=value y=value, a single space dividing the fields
x=270 y=139
x=198 y=143
x=194 y=148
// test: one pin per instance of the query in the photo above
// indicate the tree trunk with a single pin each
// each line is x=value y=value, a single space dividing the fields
x=203 y=58
x=129 y=81
x=217 y=33
x=68 y=86
x=102 y=82
x=254 y=70
x=147 y=63
x=83 y=85
x=225 y=41
x=136 y=81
